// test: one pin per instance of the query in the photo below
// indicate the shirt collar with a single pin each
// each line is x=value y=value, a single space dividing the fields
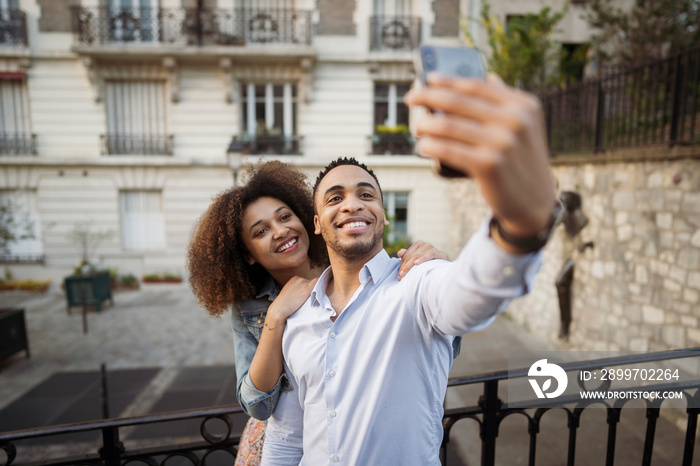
x=269 y=289
x=373 y=269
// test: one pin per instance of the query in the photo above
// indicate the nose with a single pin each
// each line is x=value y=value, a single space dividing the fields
x=279 y=231
x=352 y=204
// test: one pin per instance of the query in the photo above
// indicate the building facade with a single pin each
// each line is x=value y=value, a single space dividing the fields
x=117 y=115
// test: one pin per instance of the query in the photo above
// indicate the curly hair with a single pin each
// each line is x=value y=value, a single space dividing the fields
x=219 y=274
x=340 y=161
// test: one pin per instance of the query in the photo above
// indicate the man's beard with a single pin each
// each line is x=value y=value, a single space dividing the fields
x=355 y=248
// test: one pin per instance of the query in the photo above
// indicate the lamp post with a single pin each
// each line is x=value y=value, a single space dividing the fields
x=234 y=157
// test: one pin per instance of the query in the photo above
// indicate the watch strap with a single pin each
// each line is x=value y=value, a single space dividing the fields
x=534 y=243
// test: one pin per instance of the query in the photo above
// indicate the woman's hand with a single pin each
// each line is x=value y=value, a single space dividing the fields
x=291 y=297
x=417 y=253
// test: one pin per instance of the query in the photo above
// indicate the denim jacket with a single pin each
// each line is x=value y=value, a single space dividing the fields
x=248 y=318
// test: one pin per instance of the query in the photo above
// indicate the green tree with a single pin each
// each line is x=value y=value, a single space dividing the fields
x=649 y=30
x=523 y=52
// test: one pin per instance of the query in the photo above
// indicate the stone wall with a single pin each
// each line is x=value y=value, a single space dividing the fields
x=638 y=289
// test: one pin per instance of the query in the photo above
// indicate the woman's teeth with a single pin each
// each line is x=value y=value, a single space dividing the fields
x=287 y=245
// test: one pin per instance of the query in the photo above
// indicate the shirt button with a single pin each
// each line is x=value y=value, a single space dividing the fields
x=333 y=413
x=332 y=334
x=332 y=373
x=508 y=271
x=335 y=459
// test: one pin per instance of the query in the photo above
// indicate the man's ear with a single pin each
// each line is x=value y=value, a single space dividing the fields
x=386 y=221
x=317 y=225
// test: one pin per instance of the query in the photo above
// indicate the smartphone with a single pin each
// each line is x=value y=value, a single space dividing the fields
x=463 y=62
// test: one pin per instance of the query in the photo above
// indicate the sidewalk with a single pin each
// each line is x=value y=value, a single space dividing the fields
x=163 y=329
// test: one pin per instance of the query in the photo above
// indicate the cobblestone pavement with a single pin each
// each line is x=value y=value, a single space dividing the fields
x=162 y=326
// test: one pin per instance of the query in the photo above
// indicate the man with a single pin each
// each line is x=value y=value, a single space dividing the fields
x=369 y=355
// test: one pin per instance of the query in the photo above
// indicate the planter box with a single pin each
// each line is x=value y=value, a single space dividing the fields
x=91 y=290
x=13 y=332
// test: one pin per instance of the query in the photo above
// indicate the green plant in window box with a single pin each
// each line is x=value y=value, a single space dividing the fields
x=129 y=282
x=152 y=278
x=172 y=278
x=392 y=130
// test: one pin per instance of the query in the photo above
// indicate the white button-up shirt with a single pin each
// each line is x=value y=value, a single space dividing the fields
x=369 y=387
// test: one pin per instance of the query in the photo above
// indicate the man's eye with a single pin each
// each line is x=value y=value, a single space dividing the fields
x=366 y=195
x=334 y=199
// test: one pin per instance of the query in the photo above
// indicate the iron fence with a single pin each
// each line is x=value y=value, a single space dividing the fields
x=17 y=144
x=394 y=32
x=215 y=427
x=136 y=144
x=491 y=410
x=270 y=144
x=652 y=104
x=13 y=27
x=187 y=26
x=393 y=144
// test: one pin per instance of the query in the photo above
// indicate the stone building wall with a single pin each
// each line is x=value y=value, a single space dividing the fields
x=638 y=289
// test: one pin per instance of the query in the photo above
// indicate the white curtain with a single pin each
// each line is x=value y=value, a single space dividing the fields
x=143 y=222
x=22 y=205
x=14 y=107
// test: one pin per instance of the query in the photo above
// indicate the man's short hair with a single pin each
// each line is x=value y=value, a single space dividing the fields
x=340 y=161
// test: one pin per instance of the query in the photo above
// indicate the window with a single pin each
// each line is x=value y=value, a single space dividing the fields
x=143 y=222
x=269 y=118
x=391 y=131
x=136 y=117
x=19 y=215
x=15 y=132
x=134 y=20
x=13 y=27
x=573 y=62
x=396 y=206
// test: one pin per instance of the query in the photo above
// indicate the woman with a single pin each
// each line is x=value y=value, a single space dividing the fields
x=255 y=243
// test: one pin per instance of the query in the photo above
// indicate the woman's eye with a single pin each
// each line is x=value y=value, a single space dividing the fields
x=286 y=216
x=260 y=232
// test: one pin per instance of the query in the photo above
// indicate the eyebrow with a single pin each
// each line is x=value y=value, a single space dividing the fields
x=260 y=221
x=361 y=184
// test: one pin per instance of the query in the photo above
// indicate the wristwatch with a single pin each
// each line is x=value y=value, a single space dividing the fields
x=535 y=242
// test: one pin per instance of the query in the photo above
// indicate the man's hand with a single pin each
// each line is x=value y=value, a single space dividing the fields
x=496 y=134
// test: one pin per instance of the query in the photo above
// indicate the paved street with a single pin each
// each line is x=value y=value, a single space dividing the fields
x=162 y=327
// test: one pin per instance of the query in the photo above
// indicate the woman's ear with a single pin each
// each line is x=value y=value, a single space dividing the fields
x=249 y=259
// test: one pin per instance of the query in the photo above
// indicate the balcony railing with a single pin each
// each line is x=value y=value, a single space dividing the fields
x=134 y=144
x=215 y=431
x=270 y=144
x=17 y=144
x=394 y=32
x=392 y=144
x=657 y=103
x=184 y=26
x=13 y=27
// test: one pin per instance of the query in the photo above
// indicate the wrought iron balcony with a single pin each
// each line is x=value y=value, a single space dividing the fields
x=270 y=144
x=394 y=32
x=392 y=144
x=136 y=144
x=186 y=26
x=13 y=27
x=17 y=144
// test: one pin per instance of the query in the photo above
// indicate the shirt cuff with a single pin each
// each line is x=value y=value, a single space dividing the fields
x=496 y=268
x=259 y=404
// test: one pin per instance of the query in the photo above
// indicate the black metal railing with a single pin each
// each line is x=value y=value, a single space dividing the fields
x=215 y=426
x=392 y=144
x=13 y=27
x=657 y=103
x=17 y=144
x=213 y=438
x=490 y=411
x=136 y=144
x=394 y=32
x=23 y=259
x=269 y=144
x=186 y=26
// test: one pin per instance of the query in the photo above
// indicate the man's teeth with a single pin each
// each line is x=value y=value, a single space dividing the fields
x=288 y=245
x=354 y=224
